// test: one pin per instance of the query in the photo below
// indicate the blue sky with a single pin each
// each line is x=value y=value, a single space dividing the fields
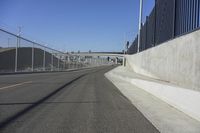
x=72 y=25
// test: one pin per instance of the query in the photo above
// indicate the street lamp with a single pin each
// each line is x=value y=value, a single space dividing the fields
x=140 y=24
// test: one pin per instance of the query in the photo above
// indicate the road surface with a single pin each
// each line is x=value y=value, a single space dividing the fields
x=67 y=102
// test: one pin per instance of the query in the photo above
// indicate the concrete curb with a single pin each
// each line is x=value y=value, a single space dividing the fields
x=164 y=116
x=186 y=100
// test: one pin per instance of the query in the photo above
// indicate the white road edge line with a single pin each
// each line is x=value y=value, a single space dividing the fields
x=10 y=86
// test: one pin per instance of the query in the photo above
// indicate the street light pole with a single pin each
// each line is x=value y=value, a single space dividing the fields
x=19 y=34
x=140 y=24
x=16 y=49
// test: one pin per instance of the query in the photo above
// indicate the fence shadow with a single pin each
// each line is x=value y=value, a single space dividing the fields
x=9 y=120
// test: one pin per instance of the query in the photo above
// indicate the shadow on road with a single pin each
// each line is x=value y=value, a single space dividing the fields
x=9 y=120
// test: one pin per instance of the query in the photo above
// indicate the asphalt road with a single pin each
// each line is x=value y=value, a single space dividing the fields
x=67 y=102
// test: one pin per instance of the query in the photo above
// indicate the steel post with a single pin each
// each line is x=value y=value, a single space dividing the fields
x=140 y=24
x=44 y=61
x=32 y=64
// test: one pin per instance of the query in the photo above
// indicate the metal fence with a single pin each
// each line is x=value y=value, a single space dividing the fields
x=18 y=54
x=168 y=19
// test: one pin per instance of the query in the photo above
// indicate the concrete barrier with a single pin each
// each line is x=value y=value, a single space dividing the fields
x=165 y=116
x=176 y=61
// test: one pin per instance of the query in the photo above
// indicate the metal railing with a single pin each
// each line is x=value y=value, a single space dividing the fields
x=18 y=54
x=168 y=19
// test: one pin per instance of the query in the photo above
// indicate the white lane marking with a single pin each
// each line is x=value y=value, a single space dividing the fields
x=10 y=86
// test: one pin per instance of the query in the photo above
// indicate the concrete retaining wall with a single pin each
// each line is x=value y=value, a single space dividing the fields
x=176 y=61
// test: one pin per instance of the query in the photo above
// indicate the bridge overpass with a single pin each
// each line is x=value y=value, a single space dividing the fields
x=100 y=54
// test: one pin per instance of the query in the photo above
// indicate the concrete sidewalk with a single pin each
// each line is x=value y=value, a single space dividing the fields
x=165 y=117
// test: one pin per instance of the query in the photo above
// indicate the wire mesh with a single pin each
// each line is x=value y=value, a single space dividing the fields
x=18 y=54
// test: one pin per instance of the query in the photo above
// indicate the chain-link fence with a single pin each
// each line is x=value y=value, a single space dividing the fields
x=18 y=54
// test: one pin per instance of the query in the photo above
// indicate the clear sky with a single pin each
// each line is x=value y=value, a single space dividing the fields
x=72 y=25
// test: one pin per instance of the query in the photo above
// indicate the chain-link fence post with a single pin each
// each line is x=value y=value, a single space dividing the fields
x=16 y=54
x=32 y=63
x=68 y=61
x=44 y=60
x=58 y=62
x=64 y=62
x=79 y=61
x=51 y=61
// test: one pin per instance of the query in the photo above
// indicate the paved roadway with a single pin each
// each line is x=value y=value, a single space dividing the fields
x=67 y=102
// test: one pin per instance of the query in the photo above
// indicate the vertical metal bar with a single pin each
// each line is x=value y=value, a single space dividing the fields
x=194 y=19
x=181 y=16
x=51 y=61
x=68 y=61
x=192 y=13
x=159 y=13
x=58 y=63
x=178 y=17
x=141 y=38
x=189 y=20
x=16 y=54
x=146 y=31
x=155 y=23
x=198 y=10
x=32 y=64
x=195 y=14
x=184 y=16
x=19 y=39
x=187 y=13
x=174 y=19
x=64 y=61
x=44 y=60
x=79 y=61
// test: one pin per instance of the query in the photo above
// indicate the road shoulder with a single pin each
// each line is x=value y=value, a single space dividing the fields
x=164 y=117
